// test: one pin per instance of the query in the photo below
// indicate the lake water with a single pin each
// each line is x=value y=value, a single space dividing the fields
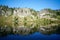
x=26 y=33
x=34 y=36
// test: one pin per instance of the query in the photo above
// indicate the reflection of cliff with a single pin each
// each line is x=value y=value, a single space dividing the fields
x=27 y=21
x=25 y=30
x=49 y=30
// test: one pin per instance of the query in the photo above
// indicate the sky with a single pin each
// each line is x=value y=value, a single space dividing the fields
x=34 y=4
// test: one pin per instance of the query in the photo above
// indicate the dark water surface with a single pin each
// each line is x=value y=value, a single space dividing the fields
x=45 y=34
x=34 y=36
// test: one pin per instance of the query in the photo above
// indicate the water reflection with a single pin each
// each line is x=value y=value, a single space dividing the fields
x=34 y=36
x=28 y=28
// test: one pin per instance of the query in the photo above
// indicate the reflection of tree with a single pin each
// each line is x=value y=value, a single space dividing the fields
x=25 y=21
x=58 y=29
x=16 y=21
x=34 y=29
x=5 y=31
x=51 y=30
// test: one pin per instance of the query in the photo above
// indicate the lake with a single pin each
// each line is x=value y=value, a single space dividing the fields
x=34 y=36
x=45 y=34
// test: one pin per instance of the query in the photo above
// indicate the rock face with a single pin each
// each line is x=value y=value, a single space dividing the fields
x=22 y=12
x=44 y=14
x=5 y=11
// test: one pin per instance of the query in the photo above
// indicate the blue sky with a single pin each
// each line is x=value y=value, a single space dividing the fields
x=35 y=4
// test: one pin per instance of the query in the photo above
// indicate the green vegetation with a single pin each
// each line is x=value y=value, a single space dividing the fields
x=36 y=19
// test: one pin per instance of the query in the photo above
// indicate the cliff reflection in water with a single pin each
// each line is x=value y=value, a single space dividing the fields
x=29 y=28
